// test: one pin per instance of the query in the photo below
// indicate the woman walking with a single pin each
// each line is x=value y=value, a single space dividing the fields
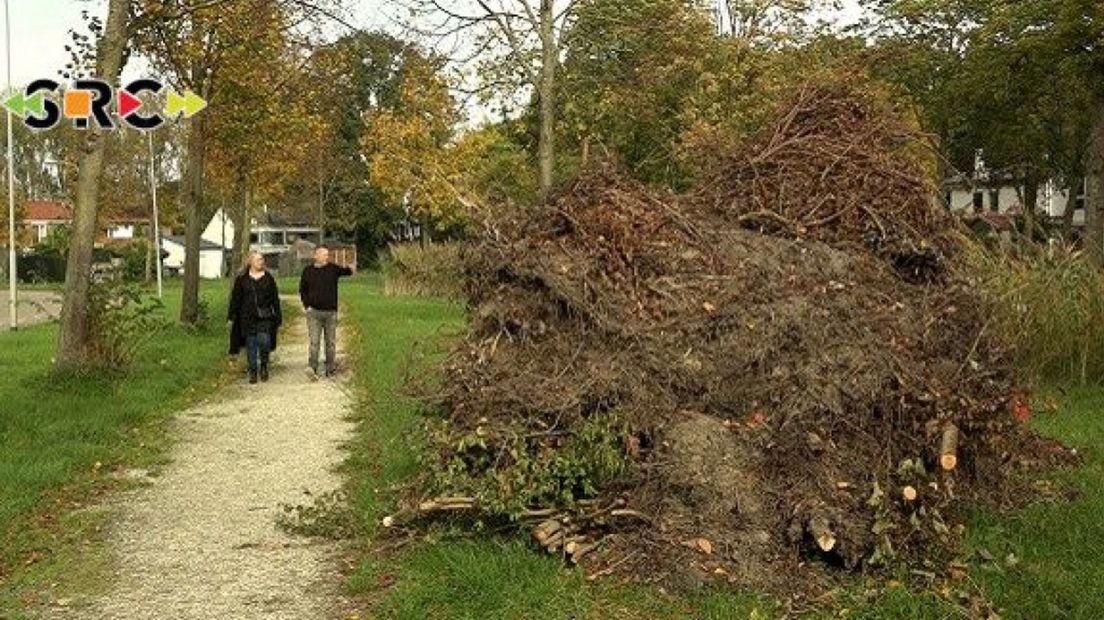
x=255 y=315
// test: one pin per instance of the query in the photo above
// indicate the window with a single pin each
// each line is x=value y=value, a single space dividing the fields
x=994 y=200
x=979 y=201
x=41 y=232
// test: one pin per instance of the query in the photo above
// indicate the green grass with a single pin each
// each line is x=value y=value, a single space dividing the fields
x=62 y=436
x=1060 y=547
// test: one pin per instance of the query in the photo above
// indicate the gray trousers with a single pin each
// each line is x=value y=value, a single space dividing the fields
x=321 y=322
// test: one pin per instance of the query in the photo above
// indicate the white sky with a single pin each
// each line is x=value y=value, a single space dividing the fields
x=39 y=32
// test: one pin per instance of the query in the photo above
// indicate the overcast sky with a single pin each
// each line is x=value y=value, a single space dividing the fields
x=39 y=32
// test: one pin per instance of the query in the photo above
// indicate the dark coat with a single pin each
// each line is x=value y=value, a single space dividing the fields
x=242 y=312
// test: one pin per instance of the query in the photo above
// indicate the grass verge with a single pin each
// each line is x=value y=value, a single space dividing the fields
x=65 y=439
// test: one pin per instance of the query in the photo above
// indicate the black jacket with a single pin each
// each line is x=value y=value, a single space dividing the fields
x=248 y=301
x=318 y=286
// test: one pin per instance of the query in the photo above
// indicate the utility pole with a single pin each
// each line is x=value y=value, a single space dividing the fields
x=13 y=267
x=156 y=215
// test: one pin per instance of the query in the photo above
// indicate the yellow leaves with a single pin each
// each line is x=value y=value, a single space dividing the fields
x=413 y=155
x=704 y=545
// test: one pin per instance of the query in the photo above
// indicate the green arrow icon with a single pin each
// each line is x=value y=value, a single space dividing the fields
x=19 y=105
x=35 y=104
x=15 y=104
x=189 y=103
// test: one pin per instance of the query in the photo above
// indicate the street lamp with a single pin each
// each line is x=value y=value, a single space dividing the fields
x=13 y=299
x=156 y=215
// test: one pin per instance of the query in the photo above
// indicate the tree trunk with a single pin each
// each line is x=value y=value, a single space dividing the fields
x=149 y=256
x=193 y=229
x=244 y=244
x=73 y=335
x=321 y=208
x=1071 y=206
x=1094 y=191
x=243 y=226
x=1031 y=203
x=546 y=91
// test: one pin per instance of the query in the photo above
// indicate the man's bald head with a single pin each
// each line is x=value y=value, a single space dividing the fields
x=321 y=256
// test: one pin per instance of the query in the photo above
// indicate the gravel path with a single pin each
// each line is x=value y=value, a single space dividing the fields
x=201 y=541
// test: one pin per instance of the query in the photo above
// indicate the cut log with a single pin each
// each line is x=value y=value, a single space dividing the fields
x=626 y=512
x=546 y=530
x=822 y=532
x=555 y=541
x=439 y=504
x=580 y=550
x=447 y=503
x=909 y=493
x=948 y=448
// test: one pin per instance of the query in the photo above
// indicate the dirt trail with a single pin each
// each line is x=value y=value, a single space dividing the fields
x=201 y=541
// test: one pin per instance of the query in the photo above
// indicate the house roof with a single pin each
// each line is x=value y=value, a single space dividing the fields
x=47 y=211
x=129 y=217
x=204 y=245
x=270 y=220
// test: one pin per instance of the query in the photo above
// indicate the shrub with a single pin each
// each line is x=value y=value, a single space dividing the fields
x=509 y=474
x=121 y=320
x=134 y=254
x=42 y=265
x=1050 y=305
x=423 y=270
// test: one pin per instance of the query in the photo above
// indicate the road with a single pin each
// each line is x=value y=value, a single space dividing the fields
x=34 y=307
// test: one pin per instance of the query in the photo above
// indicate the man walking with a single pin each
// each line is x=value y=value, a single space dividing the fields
x=318 y=291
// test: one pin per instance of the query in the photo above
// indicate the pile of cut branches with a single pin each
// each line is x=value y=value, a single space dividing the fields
x=779 y=366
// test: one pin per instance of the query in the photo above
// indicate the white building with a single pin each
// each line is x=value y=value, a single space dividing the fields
x=268 y=235
x=210 y=257
x=1004 y=194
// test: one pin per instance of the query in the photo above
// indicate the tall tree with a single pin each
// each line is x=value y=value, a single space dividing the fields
x=274 y=110
x=765 y=22
x=643 y=118
x=73 y=335
x=984 y=74
x=518 y=45
x=196 y=45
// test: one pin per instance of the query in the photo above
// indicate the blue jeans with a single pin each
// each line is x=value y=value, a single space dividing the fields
x=258 y=345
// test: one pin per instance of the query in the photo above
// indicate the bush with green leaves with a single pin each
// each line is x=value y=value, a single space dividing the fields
x=509 y=475
x=122 y=318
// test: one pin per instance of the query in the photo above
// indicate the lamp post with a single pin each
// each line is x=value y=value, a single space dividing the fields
x=156 y=216
x=13 y=300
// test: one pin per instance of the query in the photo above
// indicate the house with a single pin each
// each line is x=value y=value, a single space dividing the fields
x=126 y=226
x=42 y=217
x=268 y=233
x=211 y=257
x=1003 y=192
x=274 y=236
